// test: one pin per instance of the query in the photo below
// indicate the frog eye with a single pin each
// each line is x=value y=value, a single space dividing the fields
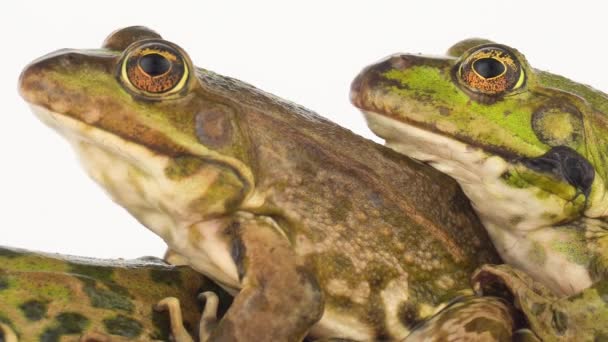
x=490 y=70
x=154 y=69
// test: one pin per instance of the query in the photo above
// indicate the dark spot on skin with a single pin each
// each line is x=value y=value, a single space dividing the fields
x=567 y=164
x=50 y=335
x=66 y=323
x=107 y=298
x=166 y=277
x=122 y=326
x=497 y=329
x=408 y=314
x=559 y=322
x=33 y=310
x=507 y=112
x=445 y=111
x=214 y=127
x=72 y=322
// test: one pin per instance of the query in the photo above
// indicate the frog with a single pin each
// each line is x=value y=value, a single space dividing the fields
x=55 y=297
x=579 y=317
x=315 y=230
x=528 y=147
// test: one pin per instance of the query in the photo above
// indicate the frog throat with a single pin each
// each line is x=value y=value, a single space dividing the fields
x=137 y=178
x=514 y=217
x=479 y=173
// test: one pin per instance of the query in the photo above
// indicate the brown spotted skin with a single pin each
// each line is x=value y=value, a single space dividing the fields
x=47 y=297
x=330 y=224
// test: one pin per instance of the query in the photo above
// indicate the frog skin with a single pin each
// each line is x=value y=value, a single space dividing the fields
x=50 y=297
x=579 y=317
x=314 y=229
x=529 y=149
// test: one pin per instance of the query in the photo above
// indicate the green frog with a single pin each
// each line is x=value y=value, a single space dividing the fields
x=50 y=297
x=528 y=147
x=315 y=230
x=579 y=317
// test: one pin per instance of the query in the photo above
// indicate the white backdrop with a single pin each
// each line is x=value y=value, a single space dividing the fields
x=307 y=52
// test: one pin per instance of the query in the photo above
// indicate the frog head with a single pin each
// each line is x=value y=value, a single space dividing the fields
x=529 y=148
x=145 y=127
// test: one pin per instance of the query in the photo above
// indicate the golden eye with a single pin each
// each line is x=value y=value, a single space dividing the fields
x=154 y=69
x=490 y=70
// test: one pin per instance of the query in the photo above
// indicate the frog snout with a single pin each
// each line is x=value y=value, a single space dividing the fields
x=372 y=77
x=38 y=82
x=35 y=79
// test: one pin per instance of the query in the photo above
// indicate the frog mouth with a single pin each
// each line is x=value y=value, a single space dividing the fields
x=449 y=155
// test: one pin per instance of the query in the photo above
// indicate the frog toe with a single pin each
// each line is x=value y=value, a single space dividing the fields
x=171 y=304
x=209 y=316
x=7 y=334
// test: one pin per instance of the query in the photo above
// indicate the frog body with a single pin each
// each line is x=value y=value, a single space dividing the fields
x=528 y=148
x=50 y=297
x=314 y=229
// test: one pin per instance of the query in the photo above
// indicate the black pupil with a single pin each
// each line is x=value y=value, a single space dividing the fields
x=154 y=64
x=488 y=67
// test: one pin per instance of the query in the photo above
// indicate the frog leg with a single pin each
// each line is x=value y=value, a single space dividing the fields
x=209 y=317
x=279 y=298
x=579 y=317
x=469 y=318
x=171 y=304
x=7 y=334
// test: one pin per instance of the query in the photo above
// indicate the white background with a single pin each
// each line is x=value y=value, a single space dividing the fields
x=307 y=52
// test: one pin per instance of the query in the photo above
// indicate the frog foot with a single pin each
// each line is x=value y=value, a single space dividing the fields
x=171 y=304
x=7 y=334
x=209 y=316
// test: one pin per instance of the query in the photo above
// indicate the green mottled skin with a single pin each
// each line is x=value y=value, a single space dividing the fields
x=296 y=215
x=53 y=296
x=580 y=317
x=540 y=222
x=522 y=207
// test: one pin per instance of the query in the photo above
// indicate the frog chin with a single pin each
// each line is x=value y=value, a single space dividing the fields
x=512 y=216
x=135 y=178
